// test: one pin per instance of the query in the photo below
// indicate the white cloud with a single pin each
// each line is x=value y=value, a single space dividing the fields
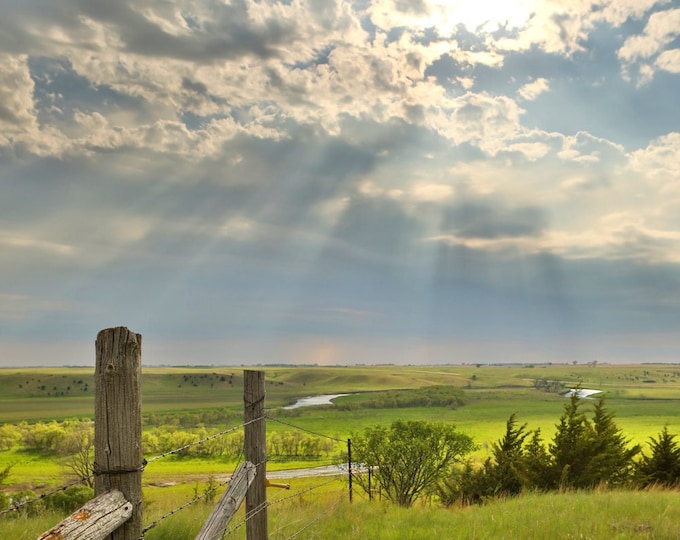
x=659 y=162
x=431 y=192
x=669 y=61
x=532 y=90
x=17 y=113
x=617 y=12
x=24 y=240
x=531 y=150
x=584 y=147
x=661 y=29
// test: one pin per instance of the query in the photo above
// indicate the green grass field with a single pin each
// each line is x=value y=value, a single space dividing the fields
x=643 y=398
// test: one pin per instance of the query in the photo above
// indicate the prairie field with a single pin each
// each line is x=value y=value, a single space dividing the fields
x=643 y=398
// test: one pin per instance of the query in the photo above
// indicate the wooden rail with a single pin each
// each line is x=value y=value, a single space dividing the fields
x=229 y=503
x=97 y=519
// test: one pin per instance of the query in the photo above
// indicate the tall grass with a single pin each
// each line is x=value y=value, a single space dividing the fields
x=594 y=515
x=326 y=513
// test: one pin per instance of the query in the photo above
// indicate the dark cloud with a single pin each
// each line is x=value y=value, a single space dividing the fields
x=415 y=7
x=492 y=220
x=194 y=86
x=227 y=34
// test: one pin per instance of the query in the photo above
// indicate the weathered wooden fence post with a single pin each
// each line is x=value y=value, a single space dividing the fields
x=255 y=452
x=118 y=422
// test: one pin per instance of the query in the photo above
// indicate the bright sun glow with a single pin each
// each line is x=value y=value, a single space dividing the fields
x=476 y=15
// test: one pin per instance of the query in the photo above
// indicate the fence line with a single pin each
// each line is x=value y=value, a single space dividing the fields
x=183 y=506
x=267 y=504
x=16 y=506
x=302 y=491
x=210 y=491
x=117 y=375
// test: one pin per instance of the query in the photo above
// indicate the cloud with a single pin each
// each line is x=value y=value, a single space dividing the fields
x=259 y=171
x=532 y=90
x=488 y=221
x=661 y=29
x=669 y=61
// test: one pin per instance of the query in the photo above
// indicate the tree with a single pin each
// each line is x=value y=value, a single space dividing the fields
x=663 y=465
x=512 y=467
x=536 y=464
x=570 y=448
x=611 y=460
x=587 y=454
x=409 y=457
x=79 y=445
x=505 y=474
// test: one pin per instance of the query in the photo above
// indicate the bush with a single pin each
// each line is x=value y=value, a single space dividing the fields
x=70 y=499
x=409 y=457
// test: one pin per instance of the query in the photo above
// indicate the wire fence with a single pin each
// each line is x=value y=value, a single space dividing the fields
x=337 y=476
x=17 y=505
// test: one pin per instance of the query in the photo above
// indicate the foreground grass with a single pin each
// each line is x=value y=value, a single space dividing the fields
x=326 y=514
x=541 y=517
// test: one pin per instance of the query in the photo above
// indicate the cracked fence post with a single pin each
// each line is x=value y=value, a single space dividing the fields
x=256 y=452
x=216 y=525
x=118 y=461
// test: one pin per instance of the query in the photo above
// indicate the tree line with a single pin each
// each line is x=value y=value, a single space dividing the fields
x=74 y=439
x=411 y=459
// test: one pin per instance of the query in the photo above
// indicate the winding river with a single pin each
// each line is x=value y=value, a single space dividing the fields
x=326 y=399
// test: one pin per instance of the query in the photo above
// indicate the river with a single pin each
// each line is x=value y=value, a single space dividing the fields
x=326 y=399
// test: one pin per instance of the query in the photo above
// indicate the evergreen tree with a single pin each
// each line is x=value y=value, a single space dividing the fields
x=536 y=465
x=587 y=454
x=663 y=465
x=504 y=474
x=610 y=461
x=570 y=449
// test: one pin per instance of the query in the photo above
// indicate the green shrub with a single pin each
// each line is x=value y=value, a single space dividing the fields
x=70 y=499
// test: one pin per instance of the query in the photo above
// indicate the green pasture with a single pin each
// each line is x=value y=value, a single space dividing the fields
x=55 y=393
x=643 y=398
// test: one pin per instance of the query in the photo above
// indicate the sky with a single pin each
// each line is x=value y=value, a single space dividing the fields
x=341 y=181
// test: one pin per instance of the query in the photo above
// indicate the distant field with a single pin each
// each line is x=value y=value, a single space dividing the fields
x=644 y=398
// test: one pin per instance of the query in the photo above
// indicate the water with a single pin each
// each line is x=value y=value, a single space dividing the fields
x=326 y=399
x=582 y=392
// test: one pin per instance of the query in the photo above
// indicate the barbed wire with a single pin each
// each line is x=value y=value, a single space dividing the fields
x=201 y=441
x=318 y=517
x=262 y=506
x=16 y=506
x=304 y=429
x=300 y=492
x=314 y=463
x=165 y=516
